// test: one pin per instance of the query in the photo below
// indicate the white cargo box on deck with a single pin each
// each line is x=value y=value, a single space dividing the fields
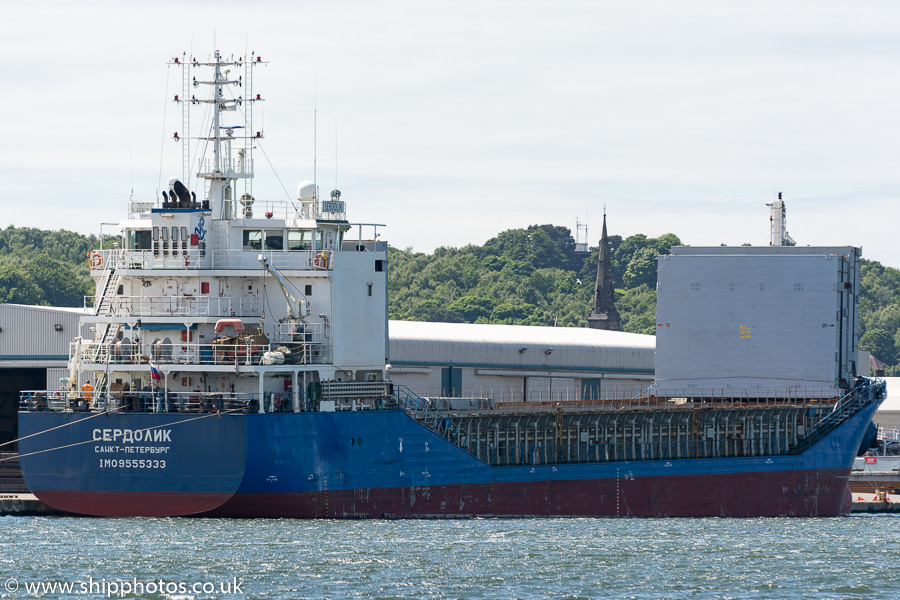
x=764 y=321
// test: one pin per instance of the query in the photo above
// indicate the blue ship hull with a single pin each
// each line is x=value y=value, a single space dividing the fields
x=385 y=464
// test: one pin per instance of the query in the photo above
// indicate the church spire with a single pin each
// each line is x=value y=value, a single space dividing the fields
x=604 y=314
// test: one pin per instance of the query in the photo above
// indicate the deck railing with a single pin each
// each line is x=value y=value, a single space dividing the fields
x=584 y=394
x=176 y=306
x=152 y=401
x=176 y=256
x=184 y=353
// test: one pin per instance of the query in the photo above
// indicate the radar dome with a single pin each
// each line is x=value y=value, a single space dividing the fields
x=306 y=191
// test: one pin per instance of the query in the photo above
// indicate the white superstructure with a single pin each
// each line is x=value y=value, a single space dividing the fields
x=223 y=293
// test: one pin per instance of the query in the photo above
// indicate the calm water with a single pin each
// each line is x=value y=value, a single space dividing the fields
x=850 y=557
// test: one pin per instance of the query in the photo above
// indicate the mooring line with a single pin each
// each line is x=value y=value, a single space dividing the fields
x=105 y=412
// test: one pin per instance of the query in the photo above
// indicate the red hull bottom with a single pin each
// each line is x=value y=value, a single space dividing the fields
x=771 y=494
x=132 y=504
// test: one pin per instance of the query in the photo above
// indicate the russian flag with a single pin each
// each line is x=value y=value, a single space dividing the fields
x=154 y=372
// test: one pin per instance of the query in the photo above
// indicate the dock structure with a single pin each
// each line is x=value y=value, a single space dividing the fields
x=15 y=498
x=25 y=505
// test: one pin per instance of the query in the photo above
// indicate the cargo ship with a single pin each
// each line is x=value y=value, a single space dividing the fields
x=239 y=368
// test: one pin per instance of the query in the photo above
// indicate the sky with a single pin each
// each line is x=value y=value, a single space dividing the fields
x=453 y=121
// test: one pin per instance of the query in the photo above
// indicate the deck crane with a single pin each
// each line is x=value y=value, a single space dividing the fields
x=298 y=305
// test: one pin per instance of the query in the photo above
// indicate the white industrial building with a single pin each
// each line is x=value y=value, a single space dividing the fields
x=34 y=349
x=517 y=363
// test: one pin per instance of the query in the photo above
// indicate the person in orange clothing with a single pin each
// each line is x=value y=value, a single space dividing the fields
x=87 y=391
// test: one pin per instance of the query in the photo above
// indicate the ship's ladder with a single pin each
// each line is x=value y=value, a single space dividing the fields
x=106 y=332
x=107 y=287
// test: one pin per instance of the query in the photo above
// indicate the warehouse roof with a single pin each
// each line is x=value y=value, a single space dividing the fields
x=520 y=346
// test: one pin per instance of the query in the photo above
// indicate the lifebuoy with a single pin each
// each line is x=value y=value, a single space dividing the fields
x=96 y=260
x=321 y=260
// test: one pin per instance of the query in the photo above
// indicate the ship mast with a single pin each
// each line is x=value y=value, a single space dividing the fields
x=222 y=171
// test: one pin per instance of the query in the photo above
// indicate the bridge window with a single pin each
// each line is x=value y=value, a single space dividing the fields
x=252 y=239
x=299 y=240
x=139 y=239
x=274 y=239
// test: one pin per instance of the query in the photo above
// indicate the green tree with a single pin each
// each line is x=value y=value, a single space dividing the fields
x=57 y=287
x=516 y=314
x=637 y=309
x=641 y=268
x=17 y=287
x=881 y=344
x=472 y=308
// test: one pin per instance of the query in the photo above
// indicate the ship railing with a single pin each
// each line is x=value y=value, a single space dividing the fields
x=776 y=395
x=156 y=400
x=163 y=255
x=576 y=397
x=301 y=259
x=166 y=256
x=233 y=166
x=537 y=395
x=137 y=208
x=124 y=352
x=354 y=395
x=46 y=400
x=424 y=410
x=299 y=332
x=278 y=209
x=176 y=306
x=888 y=435
x=363 y=237
x=865 y=392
